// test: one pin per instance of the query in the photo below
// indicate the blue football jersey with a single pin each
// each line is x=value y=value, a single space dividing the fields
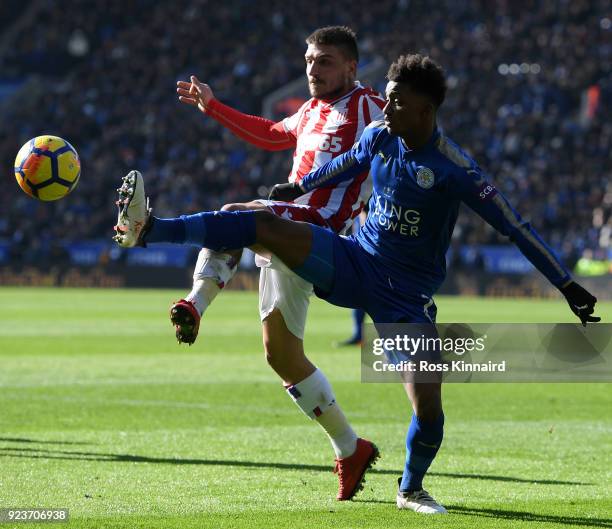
x=415 y=202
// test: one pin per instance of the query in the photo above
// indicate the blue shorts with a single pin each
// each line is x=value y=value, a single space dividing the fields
x=344 y=274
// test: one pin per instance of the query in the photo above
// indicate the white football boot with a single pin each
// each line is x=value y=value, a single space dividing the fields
x=134 y=211
x=419 y=501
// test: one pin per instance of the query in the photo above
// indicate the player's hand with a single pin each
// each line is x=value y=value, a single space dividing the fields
x=286 y=192
x=194 y=93
x=581 y=302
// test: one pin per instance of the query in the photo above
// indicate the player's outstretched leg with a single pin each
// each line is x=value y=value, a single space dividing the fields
x=134 y=211
x=212 y=272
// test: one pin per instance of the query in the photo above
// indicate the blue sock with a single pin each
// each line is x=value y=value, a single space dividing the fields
x=422 y=443
x=216 y=230
x=358 y=317
x=166 y=230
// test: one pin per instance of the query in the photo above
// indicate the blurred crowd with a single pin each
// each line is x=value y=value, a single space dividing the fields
x=530 y=90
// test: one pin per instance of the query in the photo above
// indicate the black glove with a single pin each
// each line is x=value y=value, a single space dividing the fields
x=581 y=302
x=286 y=192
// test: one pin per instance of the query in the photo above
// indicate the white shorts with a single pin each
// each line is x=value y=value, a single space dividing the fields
x=281 y=288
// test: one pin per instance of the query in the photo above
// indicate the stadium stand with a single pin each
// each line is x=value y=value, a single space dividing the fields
x=530 y=91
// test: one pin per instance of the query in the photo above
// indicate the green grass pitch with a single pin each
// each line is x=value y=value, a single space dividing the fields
x=103 y=413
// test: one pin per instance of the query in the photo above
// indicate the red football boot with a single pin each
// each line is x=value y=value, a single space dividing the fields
x=352 y=469
x=186 y=320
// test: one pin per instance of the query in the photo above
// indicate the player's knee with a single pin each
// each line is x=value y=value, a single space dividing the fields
x=267 y=222
x=428 y=409
x=429 y=412
x=270 y=358
x=427 y=401
x=266 y=217
x=274 y=357
x=280 y=353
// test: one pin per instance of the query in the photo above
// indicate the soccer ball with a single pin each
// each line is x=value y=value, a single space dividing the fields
x=47 y=168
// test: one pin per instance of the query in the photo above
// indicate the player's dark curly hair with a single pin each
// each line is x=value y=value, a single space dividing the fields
x=422 y=74
x=341 y=36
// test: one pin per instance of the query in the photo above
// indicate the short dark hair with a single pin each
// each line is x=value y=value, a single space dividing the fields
x=422 y=74
x=342 y=37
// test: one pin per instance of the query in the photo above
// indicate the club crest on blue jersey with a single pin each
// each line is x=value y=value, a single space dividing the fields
x=384 y=158
x=425 y=177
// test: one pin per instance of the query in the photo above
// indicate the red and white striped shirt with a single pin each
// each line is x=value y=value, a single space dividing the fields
x=319 y=131
x=324 y=130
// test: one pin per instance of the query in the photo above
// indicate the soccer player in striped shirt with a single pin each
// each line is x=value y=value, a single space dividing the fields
x=325 y=126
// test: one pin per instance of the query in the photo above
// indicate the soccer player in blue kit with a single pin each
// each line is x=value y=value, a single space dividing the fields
x=392 y=267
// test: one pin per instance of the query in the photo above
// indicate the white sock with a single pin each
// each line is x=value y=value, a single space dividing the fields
x=212 y=272
x=343 y=438
x=314 y=396
x=202 y=293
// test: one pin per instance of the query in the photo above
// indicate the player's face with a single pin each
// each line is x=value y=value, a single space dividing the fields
x=330 y=74
x=407 y=113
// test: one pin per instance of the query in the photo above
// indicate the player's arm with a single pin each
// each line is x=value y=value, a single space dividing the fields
x=263 y=133
x=345 y=167
x=482 y=197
